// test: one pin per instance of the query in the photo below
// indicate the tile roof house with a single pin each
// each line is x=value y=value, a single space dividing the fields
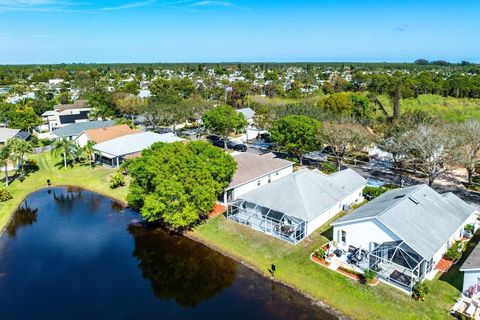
x=113 y=152
x=406 y=231
x=99 y=135
x=294 y=206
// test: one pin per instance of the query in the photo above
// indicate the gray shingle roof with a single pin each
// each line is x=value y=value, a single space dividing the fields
x=418 y=215
x=251 y=166
x=473 y=260
x=75 y=129
x=306 y=194
x=247 y=113
x=134 y=143
x=7 y=133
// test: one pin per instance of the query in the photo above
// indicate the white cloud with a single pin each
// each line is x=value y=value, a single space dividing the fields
x=224 y=4
x=129 y=6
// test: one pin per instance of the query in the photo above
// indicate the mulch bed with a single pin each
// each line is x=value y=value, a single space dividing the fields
x=320 y=261
x=217 y=210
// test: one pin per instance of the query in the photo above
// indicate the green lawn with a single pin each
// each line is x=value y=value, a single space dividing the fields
x=50 y=168
x=260 y=251
x=447 y=108
x=295 y=268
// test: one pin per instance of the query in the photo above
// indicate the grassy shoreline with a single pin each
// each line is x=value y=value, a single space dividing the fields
x=332 y=291
x=80 y=175
x=295 y=269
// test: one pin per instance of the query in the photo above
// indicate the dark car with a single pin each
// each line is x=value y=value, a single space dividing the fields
x=239 y=147
x=230 y=145
x=213 y=138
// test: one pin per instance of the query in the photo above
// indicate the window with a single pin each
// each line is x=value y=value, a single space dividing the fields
x=343 y=236
x=269 y=178
x=258 y=183
x=277 y=173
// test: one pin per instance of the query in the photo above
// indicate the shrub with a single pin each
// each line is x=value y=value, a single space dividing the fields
x=369 y=275
x=420 y=290
x=470 y=228
x=328 y=168
x=118 y=180
x=455 y=251
x=373 y=192
x=5 y=195
x=320 y=253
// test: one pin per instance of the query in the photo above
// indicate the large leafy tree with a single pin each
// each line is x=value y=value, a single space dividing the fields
x=178 y=184
x=296 y=134
x=21 y=116
x=180 y=87
x=223 y=120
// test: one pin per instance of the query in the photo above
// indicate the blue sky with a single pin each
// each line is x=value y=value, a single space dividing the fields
x=55 y=31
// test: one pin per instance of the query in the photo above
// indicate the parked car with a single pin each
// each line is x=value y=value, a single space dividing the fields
x=213 y=138
x=230 y=145
x=239 y=147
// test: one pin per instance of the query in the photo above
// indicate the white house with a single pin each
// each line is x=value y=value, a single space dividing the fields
x=294 y=206
x=65 y=114
x=254 y=171
x=405 y=232
x=113 y=152
x=471 y=271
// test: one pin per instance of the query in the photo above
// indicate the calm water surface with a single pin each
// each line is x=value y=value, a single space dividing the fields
x=73 y=254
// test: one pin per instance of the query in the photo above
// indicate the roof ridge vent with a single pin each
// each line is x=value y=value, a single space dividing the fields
x=413 y=200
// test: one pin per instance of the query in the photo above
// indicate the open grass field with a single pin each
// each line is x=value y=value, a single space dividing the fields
x=295 y=268
x=449 y=109
x=51 y=168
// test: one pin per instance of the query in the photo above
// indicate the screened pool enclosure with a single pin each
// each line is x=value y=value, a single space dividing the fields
x=275 y=223
x=398 y=264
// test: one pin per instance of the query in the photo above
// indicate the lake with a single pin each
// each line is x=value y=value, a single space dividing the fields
x=72 y=254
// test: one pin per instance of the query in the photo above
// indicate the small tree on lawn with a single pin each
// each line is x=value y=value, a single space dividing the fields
x=223 y=120
x=420 y=290
x=4 y=160
x=297 y=134
x=89 y=152
x=19 y=148
x=66 y=148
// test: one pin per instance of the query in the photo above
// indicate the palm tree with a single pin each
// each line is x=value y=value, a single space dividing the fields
x=4 y=160
x=89 y=152
x=19 y=148
x=65 y=147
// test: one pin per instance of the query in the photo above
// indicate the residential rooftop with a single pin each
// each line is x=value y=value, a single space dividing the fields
x=418 y=215
x=473 y=260
x=75 y=129
x=251 y=166
x=306 y=194
x=134 y=143
x=99 y=135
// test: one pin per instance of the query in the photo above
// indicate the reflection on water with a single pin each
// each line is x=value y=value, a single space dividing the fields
x=179 y=268
x=24 y=216
x=73 y=254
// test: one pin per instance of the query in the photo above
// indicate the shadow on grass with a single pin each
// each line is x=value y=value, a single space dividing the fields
x=454 y=276
x=328 y=233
